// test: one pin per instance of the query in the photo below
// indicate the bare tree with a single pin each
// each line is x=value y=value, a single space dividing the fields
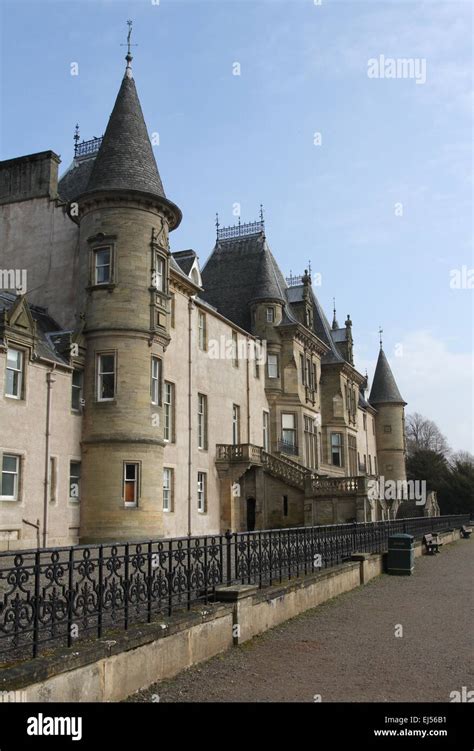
x=463 y=457
x=424 y=434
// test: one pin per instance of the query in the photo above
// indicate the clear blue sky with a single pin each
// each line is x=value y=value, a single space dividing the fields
x=248 y=139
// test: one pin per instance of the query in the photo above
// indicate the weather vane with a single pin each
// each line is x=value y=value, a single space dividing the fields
x=128 y=56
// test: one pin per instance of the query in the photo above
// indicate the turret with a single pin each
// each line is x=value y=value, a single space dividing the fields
x=124 y=220
x=389 y=421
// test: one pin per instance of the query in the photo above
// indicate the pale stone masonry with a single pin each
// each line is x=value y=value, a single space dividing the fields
x=144 y=397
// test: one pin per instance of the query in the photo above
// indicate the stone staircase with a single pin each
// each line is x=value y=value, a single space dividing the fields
x=243 y=456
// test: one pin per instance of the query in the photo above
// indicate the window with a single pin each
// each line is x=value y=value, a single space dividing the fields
x=375 y=465
x=256 y=364
x=235 y=350
x=168 y=489
x=159 y=274
x=169 y=402
x=202 y=328
x=352 y=455
x=364 y=418
x=302 y=370
x=202 y=492
x=235 y=424
x=105 y=377
x=102 y=266
x=336 y=449
x=273 y=366
x=288 y=429
x=155 y=387
x=387 y=428
x=202 y=421
x=373 y=426
x=270 y=315
x=10 y=477
x=311 y=451
x=370 y=465
x=314 y=378
x=285 y=505
x=130 y=483
x=74 y=481
x=76 y=389
x=14 y=374
x=266 y=436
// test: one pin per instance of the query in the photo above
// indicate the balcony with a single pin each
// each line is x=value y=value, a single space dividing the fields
x=287 y=447
x=329 y=486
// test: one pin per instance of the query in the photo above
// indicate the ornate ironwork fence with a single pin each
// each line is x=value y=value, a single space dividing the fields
x=53 y=597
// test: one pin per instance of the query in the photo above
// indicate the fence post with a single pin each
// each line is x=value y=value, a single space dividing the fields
x=150 y=578
x=70 y=595
x=228 y=537
x=127 y=588
x=36 y=614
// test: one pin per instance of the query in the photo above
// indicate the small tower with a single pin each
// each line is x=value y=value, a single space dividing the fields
x=389 y=422
x=124 y=221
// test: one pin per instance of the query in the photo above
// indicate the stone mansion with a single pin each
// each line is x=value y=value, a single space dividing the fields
x=142 y=396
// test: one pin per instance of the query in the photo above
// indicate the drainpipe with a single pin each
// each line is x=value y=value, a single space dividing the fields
x=190 y=428
x=49 y=386
x=248 y=391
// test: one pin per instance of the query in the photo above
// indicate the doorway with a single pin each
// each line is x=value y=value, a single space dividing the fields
x=251 y=514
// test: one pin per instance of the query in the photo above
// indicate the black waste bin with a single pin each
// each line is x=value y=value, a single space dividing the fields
x=401 y=554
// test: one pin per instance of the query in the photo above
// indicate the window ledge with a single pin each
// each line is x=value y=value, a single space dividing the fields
x=110 y=286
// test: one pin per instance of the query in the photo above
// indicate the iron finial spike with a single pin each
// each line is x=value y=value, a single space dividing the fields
x=76 y=138
x=380 y=335
x=262 y=218
x=129 y=45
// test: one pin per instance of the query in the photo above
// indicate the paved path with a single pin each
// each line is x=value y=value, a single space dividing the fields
x=346 y=649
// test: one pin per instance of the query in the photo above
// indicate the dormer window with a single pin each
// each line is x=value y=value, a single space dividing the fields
x=102 y=266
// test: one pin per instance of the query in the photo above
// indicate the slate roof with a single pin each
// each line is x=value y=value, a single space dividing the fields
x=51 y=343
x=125 y=159
x=384 y=388
x=75 y=179
x=185 y=259
x=239 y=271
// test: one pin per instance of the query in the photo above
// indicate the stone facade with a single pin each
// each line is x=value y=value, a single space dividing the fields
x=181 y=401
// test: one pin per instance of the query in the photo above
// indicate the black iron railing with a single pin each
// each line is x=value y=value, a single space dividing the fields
x=55 y=597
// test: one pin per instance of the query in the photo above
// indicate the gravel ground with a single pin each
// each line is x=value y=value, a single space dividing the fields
x=346 y=649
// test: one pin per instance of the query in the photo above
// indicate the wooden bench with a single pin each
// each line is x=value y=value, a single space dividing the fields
x=465 y=532
x=432 y=543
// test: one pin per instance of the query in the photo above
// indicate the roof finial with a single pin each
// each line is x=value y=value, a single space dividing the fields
x=76 y=138
x=262 y=219
x=380 y=335
x=217 y=224
x=128 y=56
x=335 y=324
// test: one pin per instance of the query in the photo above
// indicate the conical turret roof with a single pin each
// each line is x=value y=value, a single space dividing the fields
x=125 y=160
x=384 y=388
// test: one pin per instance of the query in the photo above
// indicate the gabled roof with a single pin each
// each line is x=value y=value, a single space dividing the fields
x=239 y=271
x=125 y=159
x=51 y=342
x=384 y=388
